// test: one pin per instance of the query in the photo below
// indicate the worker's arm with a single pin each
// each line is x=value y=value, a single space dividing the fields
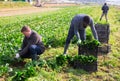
x=93 y=30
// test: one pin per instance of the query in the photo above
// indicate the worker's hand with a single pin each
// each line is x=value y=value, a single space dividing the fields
x=78 y=42
x=17 y=55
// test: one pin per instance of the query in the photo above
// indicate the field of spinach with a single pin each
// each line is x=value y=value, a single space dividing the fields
x=53 y=27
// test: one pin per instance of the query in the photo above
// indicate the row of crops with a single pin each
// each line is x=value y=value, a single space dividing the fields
x=53 y=27
x=57 y=64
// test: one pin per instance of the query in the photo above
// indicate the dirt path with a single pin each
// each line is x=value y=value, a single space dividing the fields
x=27 y=10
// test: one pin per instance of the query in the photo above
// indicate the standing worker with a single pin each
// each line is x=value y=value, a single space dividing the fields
x=105 y=9
x=78 y=25
x=32 y=45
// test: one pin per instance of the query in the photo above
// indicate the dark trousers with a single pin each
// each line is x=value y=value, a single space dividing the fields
x=71 y=34
x=104 y=14
x=33 y=52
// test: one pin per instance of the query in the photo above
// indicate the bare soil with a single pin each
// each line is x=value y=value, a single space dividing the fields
x=21 y=11
x=29 y=10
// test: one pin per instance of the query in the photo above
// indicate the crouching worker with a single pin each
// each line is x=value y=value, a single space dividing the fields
x=32 y=45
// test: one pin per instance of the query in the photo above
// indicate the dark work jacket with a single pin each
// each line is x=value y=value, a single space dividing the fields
x=34 y=39
x=105 y=8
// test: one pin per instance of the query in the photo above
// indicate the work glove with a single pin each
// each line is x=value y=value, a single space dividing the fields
x=17 y=56
x=78 y=42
